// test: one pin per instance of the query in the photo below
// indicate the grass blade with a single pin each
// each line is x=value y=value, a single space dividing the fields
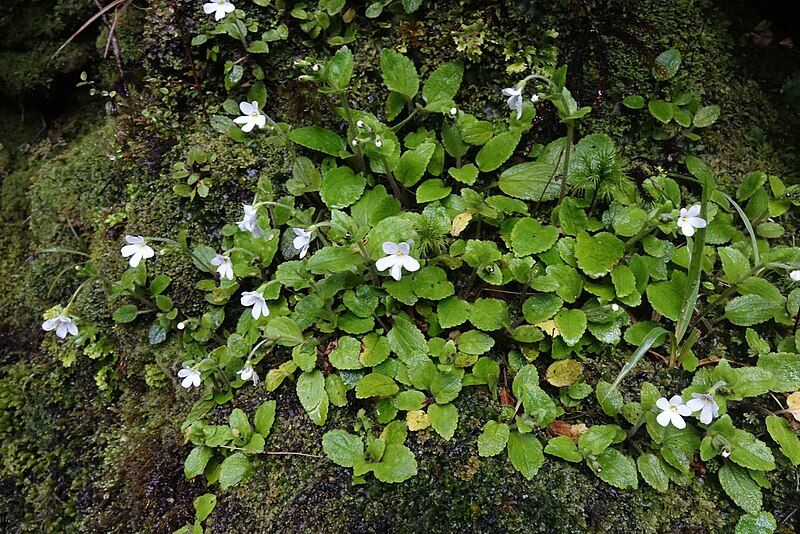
x=647 y=342
x=746 y=221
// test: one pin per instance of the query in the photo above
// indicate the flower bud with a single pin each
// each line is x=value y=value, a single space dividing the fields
x=615 y=307
x=378 y=142
x=453 y=111
x=360 y=123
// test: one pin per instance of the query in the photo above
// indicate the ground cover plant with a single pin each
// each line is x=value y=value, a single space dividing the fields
x=415 y=254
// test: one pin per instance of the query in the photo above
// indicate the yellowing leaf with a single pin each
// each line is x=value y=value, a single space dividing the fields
x=549 y=327
x=417 y=420
x=564 y=373
x=460 y=223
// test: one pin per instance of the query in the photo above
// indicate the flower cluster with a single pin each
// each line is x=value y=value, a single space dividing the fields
x=674 y=410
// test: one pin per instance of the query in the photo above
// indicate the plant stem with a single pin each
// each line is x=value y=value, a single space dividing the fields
x=371 y=265
x=568 y=150
x=349 y=114
x=399 y=193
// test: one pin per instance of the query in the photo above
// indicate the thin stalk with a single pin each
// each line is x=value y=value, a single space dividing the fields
x=568 y=149
x=349 y=114
x=398 y=192
x=371 y=265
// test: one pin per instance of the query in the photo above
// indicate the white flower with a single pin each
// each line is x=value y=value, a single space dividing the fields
x=690 y=219
x=706 y=405
x=671 y=412
x=191 y=377
x=397 y=259
x=315 y=67
x=251 y=116
x=453 y=111
x=301 y=241
x=534 y=98
x=795 y=275
x=250 y=221
x=247 y=373
x=62 y=324
x=615 y=307
x=256 y=300
x=181 y=325
x=355 y=142
x=137 y=249
x=220 y=8
x=514 y=95
x=224 y=266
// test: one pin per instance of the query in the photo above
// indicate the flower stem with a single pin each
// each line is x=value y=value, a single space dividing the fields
x=349 y=114
x=568 y=150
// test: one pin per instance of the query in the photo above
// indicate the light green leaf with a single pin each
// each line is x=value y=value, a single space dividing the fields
x=376 y=385
x=444 y=419
x=493 y=439
x=343 y=448
x=598 y=254
x=760 y=523
x=396 y=465
x=706 y=116
x=431 y=190
x=667 y=64
x=530 y=237
x=785 y=437
x=740 y=487
x=571 y=324
x=617 y=469
x=489 y=314
x=265 y=417
x=497 y=151
x=196 y=462
x=564 y=448
x=442 y=85
x=525 y=453
x=474 y=342
x=653 y=472
x=319 y=139
x=341 y=187
x=234 y=469
x=533 y=180
x=399 y=73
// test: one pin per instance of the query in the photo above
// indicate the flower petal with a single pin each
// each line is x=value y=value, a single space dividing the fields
x=50 y=324
x=663 y=403
x=411 y=264
x=390 y=248
x=397 y=271
x=695 y=405
x=385 y=262
x=677 y=421
x=663 y=418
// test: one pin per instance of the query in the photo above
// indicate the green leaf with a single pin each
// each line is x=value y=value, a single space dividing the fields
x=376 y=385
x=734 y=264
x=412 y=164
x=530 y=181
x=409 y=400
x=399 y=73
x=525 y=453
x=617 y=469
x=343 y=448
x=540 y=307
x=667 y=298
x=610 y=400
x=444 y=419
x=339 y=70
x=346 y=354
x=760 y=523
x=489 y=314
x=598 y=438
x=571 y=324
x=785 y=370
x=661 y=110
x=204 y=505
x=785 y=437
x=311 y=389
x=319 y=139
x=234 y=469
x=341 y=187
x=284 y=331
x=653 y=472
x=406 y=340
x=655 y=335
x=452 y=311
x=334 y=259
x=431 y=190
x=633 y=102
x=474 y=342
x=497 y=151
x=442 y=85
x=397 y=464
x=740 y=487
x=493 y=439
x=196 y=462
x=667 y=64
x=239 y=422
x=265 y=416
x=466 y=174
x=598 y=254
x=706 y=116
x=530 y=237
x=564 y=448
x=125 y=313
x=431 y=283
x=747 y=310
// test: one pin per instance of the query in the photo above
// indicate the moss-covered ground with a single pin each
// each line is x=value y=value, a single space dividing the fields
x=94 y=444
